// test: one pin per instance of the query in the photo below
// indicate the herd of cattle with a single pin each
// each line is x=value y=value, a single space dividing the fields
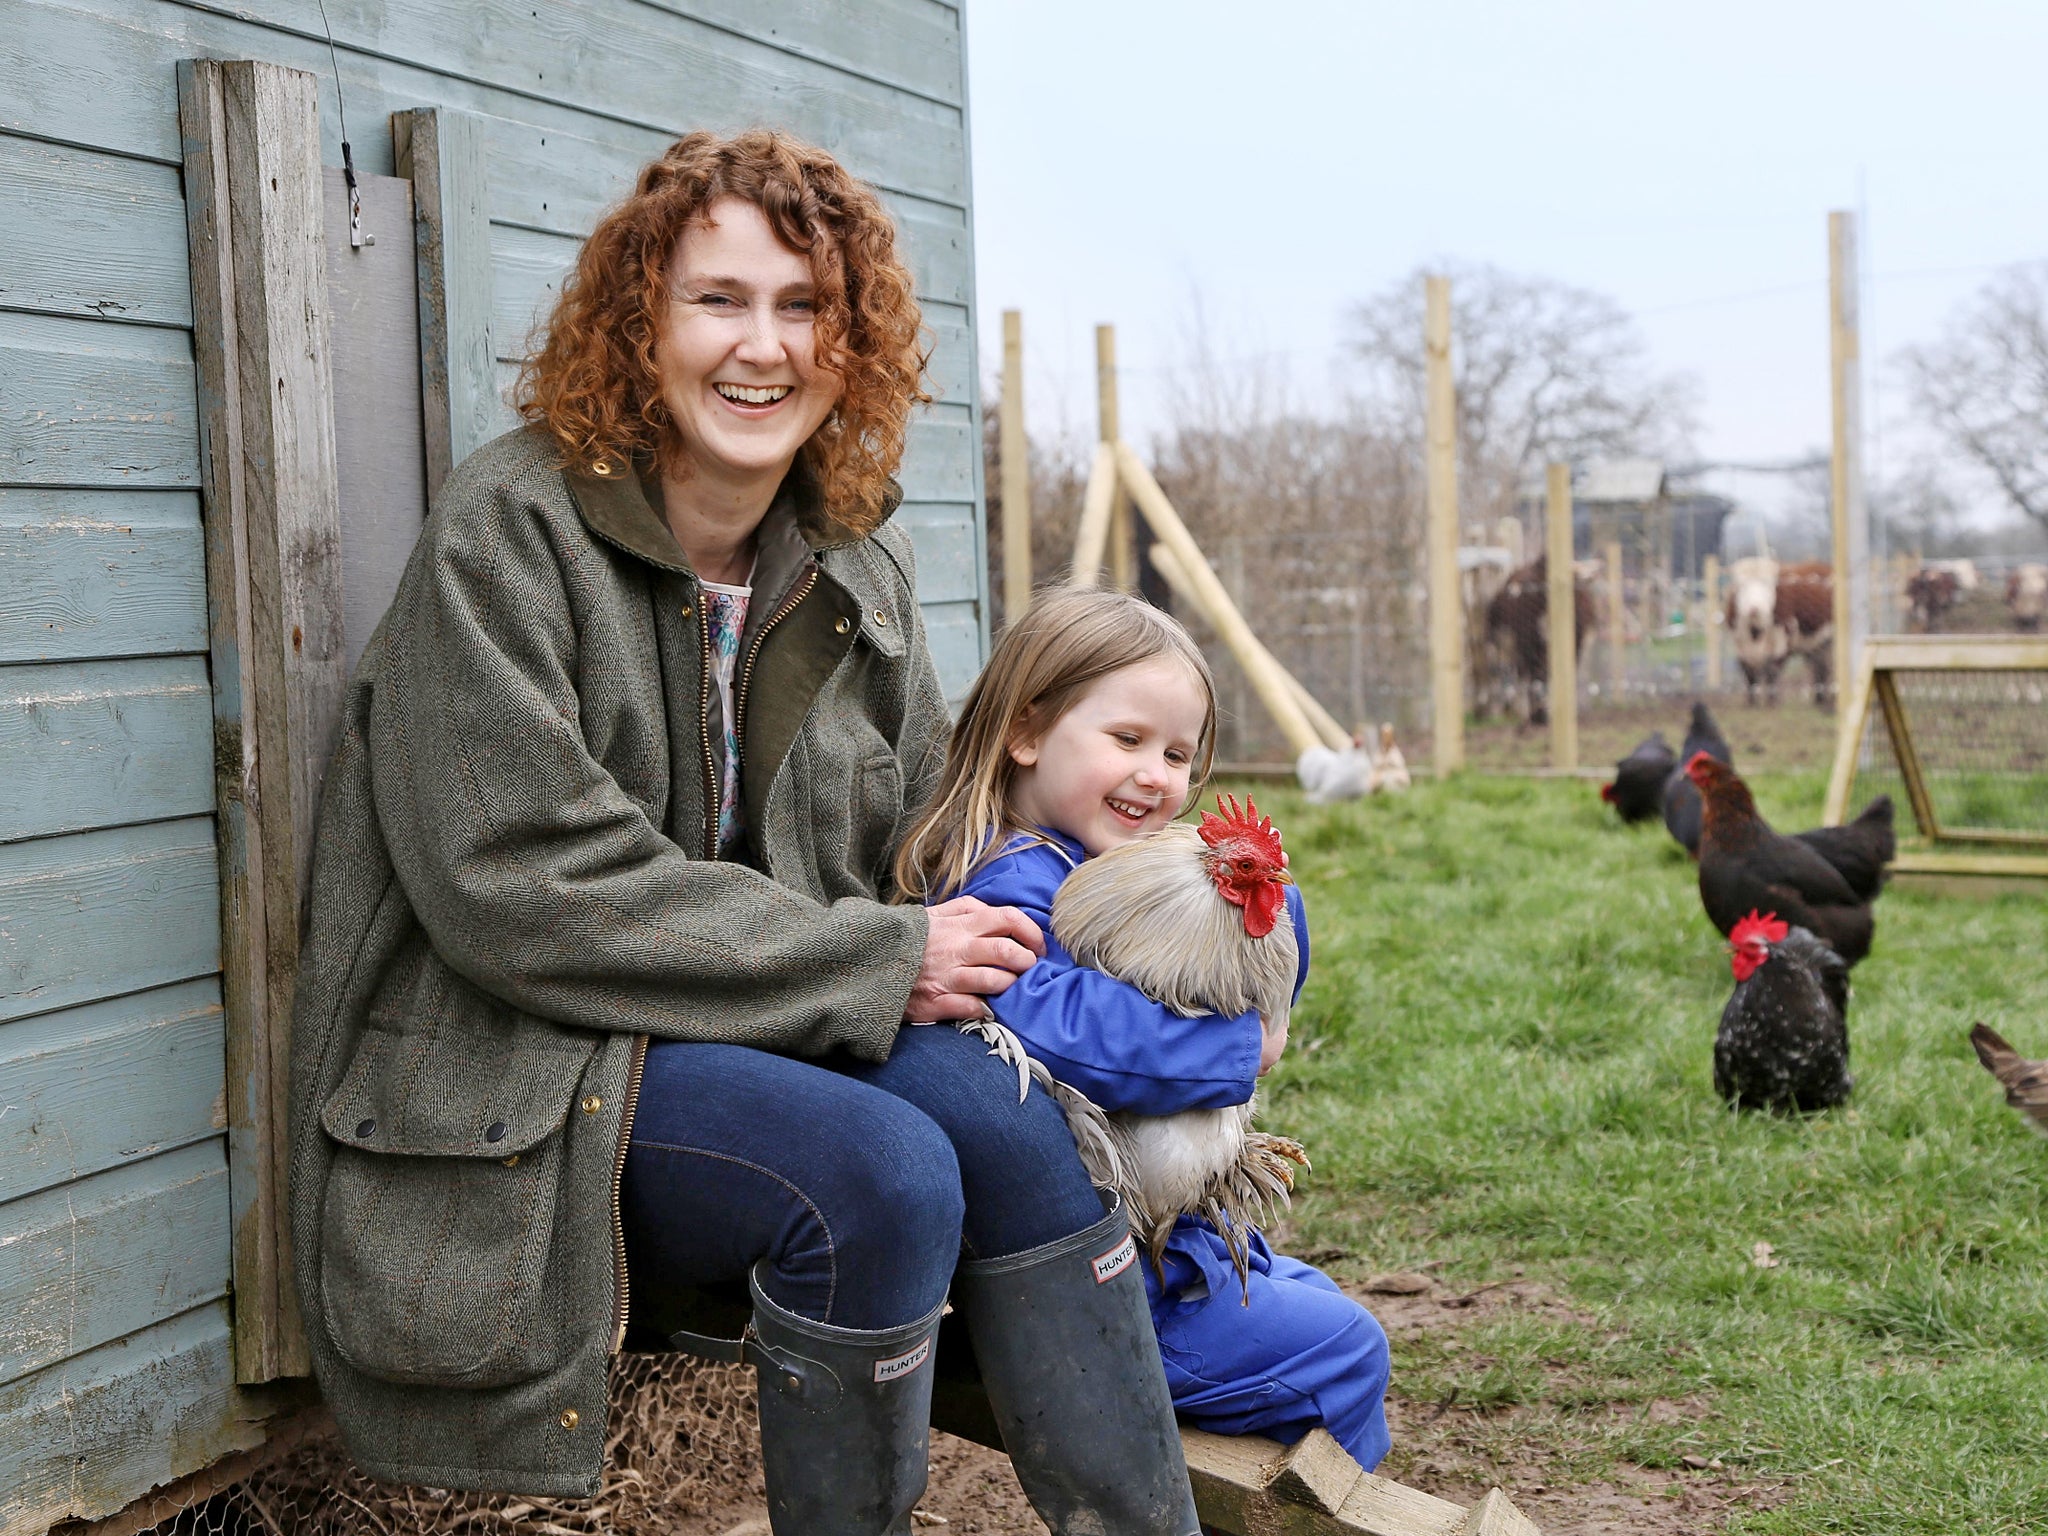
x=1775 y=611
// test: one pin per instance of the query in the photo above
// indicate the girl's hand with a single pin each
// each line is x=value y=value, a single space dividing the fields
x=972 y=951
x=1273 y=1043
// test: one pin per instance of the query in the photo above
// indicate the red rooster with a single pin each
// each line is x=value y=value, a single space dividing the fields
x=1195 y=918
x=1746 y=867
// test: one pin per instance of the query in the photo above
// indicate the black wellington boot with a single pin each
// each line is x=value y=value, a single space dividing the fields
x=1064 y=1339
x=845 y=1421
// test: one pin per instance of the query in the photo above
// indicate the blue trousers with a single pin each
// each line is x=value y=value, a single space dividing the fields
x=860 y=1184
x=1297 y=1353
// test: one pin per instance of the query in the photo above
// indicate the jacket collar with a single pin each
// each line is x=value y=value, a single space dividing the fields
x=613 y=498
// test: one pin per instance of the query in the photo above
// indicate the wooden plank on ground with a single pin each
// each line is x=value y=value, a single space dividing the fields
x=98 y=914
x=104 y=743
x=89 y=1262
x=260 y=308
x=97 y=236
x=82 y=1438
x=95 y=404
x=100 y=573
x=94 y=1087
x=442 y=151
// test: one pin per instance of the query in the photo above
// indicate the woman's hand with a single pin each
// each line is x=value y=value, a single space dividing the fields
x=972 y=951
x=1272 y=1043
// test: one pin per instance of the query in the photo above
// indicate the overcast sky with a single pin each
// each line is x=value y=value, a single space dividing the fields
x=1277 y=162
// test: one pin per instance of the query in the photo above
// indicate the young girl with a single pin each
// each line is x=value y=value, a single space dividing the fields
x=1095 y=716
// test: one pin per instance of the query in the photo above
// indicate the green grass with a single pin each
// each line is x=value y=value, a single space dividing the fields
x=1504 y=1057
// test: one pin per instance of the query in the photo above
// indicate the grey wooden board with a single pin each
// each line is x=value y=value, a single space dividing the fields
x=98 y=914
x=100 y=573
x=943 y=533
x=612 y=67
x=101 y=236
x=379 y=447
x=82 y=1438
x=91 y=1088
x=911 y=44
x=88 y=403
x=91 y=1261
x=104 y=743
x=954 y=630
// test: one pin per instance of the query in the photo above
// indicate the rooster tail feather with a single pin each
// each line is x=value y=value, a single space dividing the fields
x=1004 y=1044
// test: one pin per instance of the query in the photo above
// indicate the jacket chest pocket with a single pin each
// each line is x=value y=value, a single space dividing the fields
x=440 y=1212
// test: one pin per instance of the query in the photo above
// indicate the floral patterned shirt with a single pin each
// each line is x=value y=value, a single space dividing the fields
x=725 y=612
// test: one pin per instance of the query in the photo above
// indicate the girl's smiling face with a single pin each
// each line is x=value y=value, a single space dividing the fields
x=1116 y=765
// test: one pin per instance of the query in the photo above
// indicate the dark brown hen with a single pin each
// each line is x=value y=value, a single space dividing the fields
x=2026 y=1082
x=1746 y=867
x=1859 y=849
x=1638 y=787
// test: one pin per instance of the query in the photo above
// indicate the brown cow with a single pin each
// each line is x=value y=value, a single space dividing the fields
x=1930 y=593
x=1518 y=632
x=1776 y=612
x=2026 y=594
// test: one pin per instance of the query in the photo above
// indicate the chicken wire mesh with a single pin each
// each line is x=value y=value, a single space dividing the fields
x=682 y=1441
x=1980 y=739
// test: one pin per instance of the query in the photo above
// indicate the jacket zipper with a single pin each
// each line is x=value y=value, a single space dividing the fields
x=622 y=1297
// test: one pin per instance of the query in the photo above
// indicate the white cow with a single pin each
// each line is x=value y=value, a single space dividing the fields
x=2026 y=594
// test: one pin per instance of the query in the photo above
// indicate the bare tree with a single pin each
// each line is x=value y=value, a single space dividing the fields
x=1543 y=371
x=1983 y=385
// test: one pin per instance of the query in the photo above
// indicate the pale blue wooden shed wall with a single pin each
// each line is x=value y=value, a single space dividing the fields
x=114 y=1260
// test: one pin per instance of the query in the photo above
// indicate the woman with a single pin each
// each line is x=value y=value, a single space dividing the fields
x=601 y=993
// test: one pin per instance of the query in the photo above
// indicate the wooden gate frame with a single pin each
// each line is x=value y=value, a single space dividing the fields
x=1880 y=659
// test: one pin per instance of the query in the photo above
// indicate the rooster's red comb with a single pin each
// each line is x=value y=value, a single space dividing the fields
x=1228 y=820
x=1765 y=926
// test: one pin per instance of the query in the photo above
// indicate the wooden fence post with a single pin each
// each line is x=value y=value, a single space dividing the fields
x=1016 y=453
x=273 y=572
x=1123 y=573
x=1562 y=613
x=1617 y=623
x=442 y=151
x=1710 y=618
x=1848 y=525
x=1446 y=606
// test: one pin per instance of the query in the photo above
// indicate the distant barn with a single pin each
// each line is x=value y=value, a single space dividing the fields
x=156 y=781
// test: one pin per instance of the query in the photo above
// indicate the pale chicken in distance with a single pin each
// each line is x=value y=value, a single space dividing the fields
x=2025 y=1082
x=1196 y=919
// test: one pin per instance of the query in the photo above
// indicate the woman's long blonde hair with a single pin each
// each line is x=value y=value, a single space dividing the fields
x=1043 y=663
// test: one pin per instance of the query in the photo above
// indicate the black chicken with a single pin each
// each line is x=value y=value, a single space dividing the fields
x=1638 y=785
x=1784 y=1037
x=1746 y=867
x=1859 y=849
x=1681 y=798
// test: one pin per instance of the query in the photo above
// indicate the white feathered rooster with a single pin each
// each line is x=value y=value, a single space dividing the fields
x=1196 y=919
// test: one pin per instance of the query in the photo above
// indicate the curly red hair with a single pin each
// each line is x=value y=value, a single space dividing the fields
x=594 y=384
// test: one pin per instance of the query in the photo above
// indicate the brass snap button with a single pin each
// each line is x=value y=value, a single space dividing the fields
x=881 y=619
x=842 y=626
x=569 y=1419
x=512 y=1161
x=688 y=611
x=592 y=1105
x=601 y=467
x=365 y=1130
x=495 y=1131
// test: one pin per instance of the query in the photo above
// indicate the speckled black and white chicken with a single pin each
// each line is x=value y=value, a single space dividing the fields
x=1195 y=918
x=1784 y=1037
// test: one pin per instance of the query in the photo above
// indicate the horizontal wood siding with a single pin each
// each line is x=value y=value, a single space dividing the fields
x=115 y=1368
x=91 y=1261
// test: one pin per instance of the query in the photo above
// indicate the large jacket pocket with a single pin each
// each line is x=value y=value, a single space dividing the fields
x=440 y=1210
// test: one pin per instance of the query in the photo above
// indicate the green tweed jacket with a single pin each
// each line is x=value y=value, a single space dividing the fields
x=515 y=886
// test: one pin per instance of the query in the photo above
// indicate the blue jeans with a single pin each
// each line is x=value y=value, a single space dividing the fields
x=860 y=1184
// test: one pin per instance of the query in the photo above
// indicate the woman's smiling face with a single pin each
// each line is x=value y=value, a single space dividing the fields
x=737 y=351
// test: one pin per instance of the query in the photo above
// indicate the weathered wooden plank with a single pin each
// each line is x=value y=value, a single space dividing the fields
x=380 y=450
x=91 y=1261
x=97 y=914
x=442 y=151
x=943 y=533
x=643 y=70
x=260 y=312
x=99 y=236
x=910 y=44
x=104 y=743
x=950 y=374
x=87 y=403
x=940 y=452
x=100 y=573
x=91 y=1088
x=954 y=630
x=83 y=1437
